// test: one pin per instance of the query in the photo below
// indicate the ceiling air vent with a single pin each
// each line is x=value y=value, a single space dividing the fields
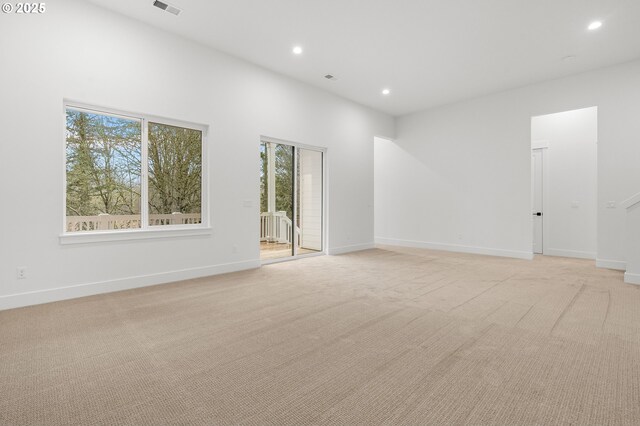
x=167 y=7
x=331 y=77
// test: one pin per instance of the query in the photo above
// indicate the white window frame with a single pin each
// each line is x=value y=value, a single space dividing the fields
x=145 y=231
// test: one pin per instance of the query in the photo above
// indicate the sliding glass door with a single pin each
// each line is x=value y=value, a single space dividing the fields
x=291 y=200
x=276 y=200
x=309 y=201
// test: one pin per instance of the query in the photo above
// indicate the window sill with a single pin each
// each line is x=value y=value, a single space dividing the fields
x=127 y=235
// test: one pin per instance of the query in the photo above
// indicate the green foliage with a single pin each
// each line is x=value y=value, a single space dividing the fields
x=175 y=169
x=264 y=184
x=103 y=164
x=284 y=179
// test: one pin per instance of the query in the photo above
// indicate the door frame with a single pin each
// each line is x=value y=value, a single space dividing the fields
x=325 y=221
x=543 y=146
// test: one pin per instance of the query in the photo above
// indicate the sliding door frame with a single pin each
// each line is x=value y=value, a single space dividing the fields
x=324 y=223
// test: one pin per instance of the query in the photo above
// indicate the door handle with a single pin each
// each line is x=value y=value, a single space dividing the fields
x=537 y=214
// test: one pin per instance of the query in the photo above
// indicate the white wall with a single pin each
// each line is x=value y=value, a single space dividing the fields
x=79 y=51
x=458 y=176
x=570 y=191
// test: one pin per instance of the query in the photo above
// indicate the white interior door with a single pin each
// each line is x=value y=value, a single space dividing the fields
x=538 y=211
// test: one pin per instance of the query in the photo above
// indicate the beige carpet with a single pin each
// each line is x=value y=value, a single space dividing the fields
x=393 y=336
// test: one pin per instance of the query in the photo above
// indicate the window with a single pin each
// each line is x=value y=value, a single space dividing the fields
x=131 y=172
x=175 y=174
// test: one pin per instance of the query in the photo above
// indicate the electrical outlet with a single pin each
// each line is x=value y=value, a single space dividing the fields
x=21 y=273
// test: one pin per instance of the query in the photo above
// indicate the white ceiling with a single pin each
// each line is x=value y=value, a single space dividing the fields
x=428 y=52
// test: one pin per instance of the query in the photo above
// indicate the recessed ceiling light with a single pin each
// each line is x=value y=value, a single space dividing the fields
x=297 y=50
x=386 y=91
x=594 y=25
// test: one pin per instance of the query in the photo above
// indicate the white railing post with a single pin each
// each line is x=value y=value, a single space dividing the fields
x=101 y=223
x=276 y=227
x=176 y=218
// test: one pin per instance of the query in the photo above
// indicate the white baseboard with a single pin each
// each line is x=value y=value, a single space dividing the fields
x=456 y=248
x=631 y=278
x=620 y=265
x=569 y=253
x=349 y=249
x=80 y=290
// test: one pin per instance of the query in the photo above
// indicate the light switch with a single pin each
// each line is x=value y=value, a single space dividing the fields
x=611 y=204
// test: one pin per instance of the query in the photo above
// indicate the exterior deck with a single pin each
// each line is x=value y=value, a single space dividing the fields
x=279 y=250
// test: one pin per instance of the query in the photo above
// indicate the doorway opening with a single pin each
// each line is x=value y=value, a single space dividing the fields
x=564 y=183
x=537 y=190
x=291 y=200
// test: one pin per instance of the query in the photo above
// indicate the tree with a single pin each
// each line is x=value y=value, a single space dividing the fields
x=79 y=160
x=284 y=179
x=103 y=164
x=264 y=181
x=175 y=169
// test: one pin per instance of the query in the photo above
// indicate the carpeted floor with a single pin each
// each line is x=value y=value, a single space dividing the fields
x=393 y=336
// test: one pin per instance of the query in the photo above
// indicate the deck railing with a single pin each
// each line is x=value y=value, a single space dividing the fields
x=103 y=222
x=276 y=227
